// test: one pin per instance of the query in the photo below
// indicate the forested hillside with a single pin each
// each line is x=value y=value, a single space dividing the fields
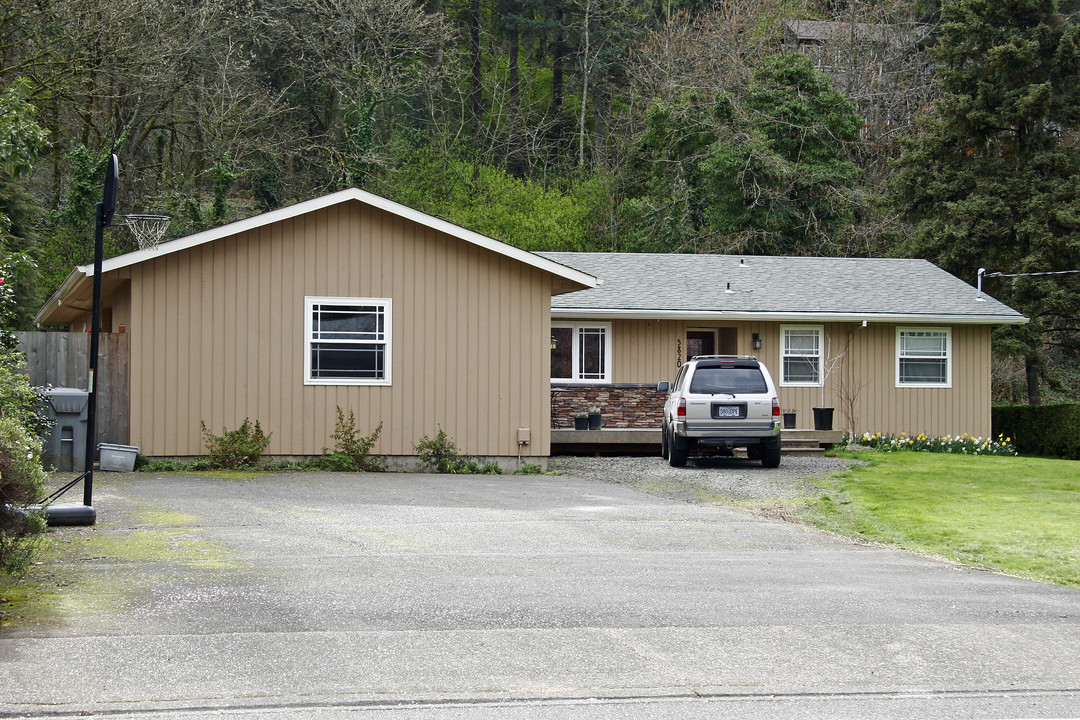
x=825 y=127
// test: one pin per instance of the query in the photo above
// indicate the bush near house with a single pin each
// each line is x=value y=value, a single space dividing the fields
x=22 y=478
x=22 y=481
x=239 y=448
x=1043 y=430
x=440 y=454
x=352 y=447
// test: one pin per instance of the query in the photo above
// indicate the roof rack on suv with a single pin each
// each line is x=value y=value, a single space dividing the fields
x=724 y=357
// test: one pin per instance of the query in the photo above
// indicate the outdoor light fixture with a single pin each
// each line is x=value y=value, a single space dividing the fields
x=757 y=341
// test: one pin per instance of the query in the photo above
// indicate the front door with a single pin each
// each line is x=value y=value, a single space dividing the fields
x=700 y=342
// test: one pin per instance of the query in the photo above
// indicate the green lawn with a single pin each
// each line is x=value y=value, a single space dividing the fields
x=1017 y=515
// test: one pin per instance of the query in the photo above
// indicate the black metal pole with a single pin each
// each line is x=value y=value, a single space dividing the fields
x=95 y=332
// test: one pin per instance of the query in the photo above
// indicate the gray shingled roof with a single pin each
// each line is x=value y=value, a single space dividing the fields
x=824 y=30
x=670 y=285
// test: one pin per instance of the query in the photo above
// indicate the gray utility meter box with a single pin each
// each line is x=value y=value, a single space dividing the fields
x=65 y=448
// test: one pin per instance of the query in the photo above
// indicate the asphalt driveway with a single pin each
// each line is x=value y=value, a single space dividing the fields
x=507 y=596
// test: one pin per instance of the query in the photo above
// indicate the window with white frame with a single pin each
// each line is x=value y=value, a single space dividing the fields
x=801 y=355
x=347 y=341
x=923 y=357
x=581 y=352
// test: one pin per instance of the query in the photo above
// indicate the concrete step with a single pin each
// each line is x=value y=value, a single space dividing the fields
x=803 y=452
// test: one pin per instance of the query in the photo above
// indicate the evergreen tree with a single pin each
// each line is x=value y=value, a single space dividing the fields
x=990 y=180
x=768 y=175
x=21 y=139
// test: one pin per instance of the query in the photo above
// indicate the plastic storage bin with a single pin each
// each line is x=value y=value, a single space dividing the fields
x=117 y=458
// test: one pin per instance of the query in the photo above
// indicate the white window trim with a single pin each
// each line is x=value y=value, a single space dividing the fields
x=820 y=355
x=948 y=357
x=388 y=313
x=575 y=355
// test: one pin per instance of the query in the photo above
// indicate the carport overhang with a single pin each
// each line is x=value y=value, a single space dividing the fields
x=74 y=298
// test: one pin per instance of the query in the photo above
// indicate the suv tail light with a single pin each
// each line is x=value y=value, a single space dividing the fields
x=775 y=407
x=681 y=411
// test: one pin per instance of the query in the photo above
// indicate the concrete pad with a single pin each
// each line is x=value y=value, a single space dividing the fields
x=333 y=595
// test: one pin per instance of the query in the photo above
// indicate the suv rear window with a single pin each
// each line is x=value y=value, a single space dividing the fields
x=736 y=380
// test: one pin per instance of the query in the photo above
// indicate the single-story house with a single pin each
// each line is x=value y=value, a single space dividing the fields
x=892 y=345
x=347 y=301
x=411 y=322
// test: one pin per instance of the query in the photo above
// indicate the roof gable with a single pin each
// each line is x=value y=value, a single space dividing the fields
x=81 y=272
x=309 y=206
x=644 y=285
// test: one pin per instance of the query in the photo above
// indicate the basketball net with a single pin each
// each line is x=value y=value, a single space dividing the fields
x=147 y=229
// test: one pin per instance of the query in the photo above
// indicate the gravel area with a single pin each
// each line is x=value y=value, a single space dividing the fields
x=734 y=478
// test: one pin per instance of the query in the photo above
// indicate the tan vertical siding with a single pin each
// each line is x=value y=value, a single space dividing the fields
x=645 y=353
x=217 y=335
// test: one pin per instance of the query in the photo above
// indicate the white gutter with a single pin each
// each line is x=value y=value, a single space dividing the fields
x=612 y=314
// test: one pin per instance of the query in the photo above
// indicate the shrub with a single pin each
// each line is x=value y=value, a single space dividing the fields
x=22 y=481
x=440 y=454
x=18 y=399
x=962 y=444
x=145 y=464
x=1045 y=430
x=357 y=447
x=529 y=469
x=332 y=462
x=234 y=449
x=22 y=424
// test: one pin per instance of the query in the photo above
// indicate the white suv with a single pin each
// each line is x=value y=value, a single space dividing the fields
x=721 y=402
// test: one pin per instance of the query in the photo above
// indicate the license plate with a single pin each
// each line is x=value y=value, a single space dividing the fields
x=727 y=411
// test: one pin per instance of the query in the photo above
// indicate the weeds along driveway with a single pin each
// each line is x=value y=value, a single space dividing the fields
x=315 y=590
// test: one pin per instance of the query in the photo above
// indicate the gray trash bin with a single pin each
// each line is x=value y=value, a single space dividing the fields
x=65 y=448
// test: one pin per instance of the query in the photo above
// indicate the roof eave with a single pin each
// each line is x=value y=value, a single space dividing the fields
x=56 y=299
x=639 y=314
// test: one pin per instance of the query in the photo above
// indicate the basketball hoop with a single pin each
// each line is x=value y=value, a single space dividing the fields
x=147 y=229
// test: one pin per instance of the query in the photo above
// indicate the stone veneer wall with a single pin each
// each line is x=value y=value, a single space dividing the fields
x=623 y=406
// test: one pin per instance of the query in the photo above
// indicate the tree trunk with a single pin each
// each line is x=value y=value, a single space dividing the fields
x=586 y=65
x=1032 y=368
x=514 y=164
x=558 y=56
x=475 y=96
x=601 y=110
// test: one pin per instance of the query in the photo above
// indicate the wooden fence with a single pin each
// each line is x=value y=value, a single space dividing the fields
x=61 y=359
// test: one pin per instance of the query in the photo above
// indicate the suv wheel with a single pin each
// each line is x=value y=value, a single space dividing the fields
x=676 y=455
x=663 y=442
x=770 y=456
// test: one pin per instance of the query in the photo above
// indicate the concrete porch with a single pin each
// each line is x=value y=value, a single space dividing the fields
x=613 y=441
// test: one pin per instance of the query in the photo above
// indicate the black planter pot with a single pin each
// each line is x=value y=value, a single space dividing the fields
x=595 y=421
x=823 y=418
x=581 y=423
x=789 y=421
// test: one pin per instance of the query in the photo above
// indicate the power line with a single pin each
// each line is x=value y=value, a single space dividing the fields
x=983 y=273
